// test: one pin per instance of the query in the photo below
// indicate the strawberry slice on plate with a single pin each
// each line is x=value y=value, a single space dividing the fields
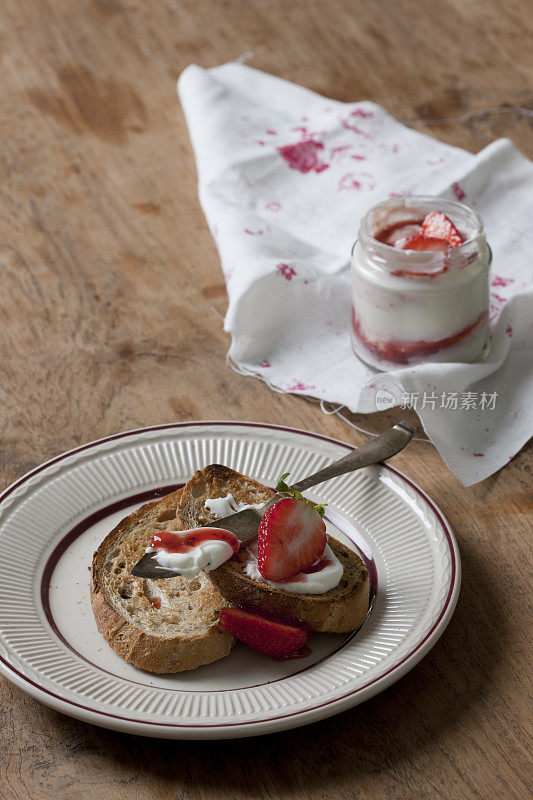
x=267 y=636
x=436 y=225
x=291 y=538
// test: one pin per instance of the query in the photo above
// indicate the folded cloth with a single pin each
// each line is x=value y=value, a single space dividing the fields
x=285 y=176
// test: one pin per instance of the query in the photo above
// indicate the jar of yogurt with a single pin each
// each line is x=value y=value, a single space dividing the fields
x=420 y=284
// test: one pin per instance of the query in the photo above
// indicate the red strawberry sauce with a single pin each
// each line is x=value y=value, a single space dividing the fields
x=325 y=562
x=399 y=352
x=184 y=542
x=303 y=652
x=299 y=577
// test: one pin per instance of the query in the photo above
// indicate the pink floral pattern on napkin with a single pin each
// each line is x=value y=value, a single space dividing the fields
x=304 y=156
x=286 y=271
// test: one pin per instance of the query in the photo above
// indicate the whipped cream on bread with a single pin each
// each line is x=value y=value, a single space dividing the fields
x=315 y=582
x=191 y=551
x=205 y=556
x=224 y=506
x=211 y=552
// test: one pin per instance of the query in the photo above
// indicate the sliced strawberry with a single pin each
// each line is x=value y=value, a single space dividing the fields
x=267 y=636
x=422 y=243
x=292 y=537
x=437 y=226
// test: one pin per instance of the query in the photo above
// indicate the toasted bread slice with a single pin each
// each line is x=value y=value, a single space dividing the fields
x=215 y=481
x=184 y=631
x=339 y=610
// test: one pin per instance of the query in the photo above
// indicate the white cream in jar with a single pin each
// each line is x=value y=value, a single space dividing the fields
x=411 y=306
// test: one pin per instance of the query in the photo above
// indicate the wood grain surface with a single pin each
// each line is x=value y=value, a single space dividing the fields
x=111 y=307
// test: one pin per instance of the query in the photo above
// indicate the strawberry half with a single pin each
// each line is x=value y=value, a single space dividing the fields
x=292 y=537
x=422 y=243
x=437 y=226
x=267 y=636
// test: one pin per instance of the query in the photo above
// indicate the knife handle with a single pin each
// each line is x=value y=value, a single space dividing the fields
x=384 y=446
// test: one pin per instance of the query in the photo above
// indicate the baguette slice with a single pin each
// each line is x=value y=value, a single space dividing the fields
x=339 y=610
x=184 y=632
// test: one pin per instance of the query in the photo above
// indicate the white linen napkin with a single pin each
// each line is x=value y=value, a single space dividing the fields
x=285 y=176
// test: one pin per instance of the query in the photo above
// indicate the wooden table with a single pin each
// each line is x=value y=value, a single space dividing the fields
x=111 y=301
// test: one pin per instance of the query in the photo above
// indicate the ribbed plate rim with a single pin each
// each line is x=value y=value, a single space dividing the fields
x=231 y=730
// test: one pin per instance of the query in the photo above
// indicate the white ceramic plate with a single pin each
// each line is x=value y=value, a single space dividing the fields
x=53 y=518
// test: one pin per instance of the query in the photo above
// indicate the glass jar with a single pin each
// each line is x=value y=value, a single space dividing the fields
x=410 y=307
